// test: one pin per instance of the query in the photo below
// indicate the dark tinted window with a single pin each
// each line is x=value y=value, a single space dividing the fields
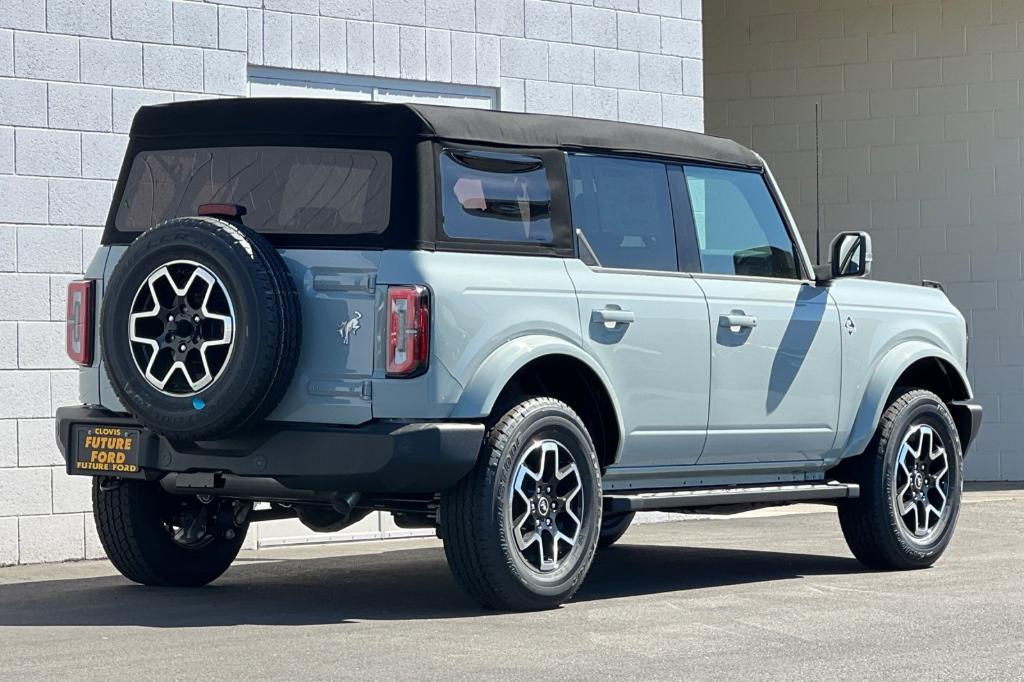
x=495 y=197
x=284 y=189
x=739 y=229
x=624 y=209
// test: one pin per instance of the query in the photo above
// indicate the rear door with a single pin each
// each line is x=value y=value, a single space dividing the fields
x=775 y=359
x=644 y=321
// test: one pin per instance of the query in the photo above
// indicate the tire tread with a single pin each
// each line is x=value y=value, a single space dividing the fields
x=867 y=528
x=137 y=545
x=466 y=522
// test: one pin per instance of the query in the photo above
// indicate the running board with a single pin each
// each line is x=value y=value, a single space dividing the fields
x=711 y=497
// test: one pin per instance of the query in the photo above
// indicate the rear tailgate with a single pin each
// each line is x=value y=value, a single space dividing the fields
x=327 y=209
x=332 y=382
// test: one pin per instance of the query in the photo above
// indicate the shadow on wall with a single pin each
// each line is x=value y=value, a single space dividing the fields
x=412 y=584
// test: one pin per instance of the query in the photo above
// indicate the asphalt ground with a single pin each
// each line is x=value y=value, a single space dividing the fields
x=763 y=596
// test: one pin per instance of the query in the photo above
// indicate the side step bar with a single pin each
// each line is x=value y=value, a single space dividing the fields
x=710 y=497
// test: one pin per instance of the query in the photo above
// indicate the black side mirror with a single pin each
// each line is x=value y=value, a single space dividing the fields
x=850 y=256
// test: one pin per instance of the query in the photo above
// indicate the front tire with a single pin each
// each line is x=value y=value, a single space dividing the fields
x=911 y=482
x=151 y=536
x=613 y=527
x=520 y=530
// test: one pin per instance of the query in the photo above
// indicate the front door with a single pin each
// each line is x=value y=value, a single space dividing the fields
x=775 y=336
x=644 y=321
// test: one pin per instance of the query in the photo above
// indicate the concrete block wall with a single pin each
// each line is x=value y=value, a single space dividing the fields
x=73 y=73
x=921 y=131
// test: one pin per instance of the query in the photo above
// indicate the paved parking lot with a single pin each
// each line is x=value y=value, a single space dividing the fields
x=757 y=597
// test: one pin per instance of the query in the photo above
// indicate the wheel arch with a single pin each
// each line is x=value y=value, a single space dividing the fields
x=912 y=364
x=541 y=365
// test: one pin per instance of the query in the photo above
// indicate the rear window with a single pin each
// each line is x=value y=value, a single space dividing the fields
x=624 y=208
x=294 y=190
x=494 y=196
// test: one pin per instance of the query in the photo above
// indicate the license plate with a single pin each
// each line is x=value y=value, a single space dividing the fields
x=107 y=451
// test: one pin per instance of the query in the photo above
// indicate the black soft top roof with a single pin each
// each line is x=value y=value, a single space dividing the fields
x=279 y=117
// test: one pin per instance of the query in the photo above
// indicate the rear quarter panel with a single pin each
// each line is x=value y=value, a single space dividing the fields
x=894 y=326
x=481 y=302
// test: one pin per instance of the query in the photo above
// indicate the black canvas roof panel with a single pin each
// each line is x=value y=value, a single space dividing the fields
x=279 y=117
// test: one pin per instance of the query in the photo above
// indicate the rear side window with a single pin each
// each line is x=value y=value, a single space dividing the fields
x=739 y=228
x=495 y=196
x=294 y=190
x=624 y=208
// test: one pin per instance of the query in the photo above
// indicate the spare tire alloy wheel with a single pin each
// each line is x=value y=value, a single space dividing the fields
x=181 y=334
x=200 y=328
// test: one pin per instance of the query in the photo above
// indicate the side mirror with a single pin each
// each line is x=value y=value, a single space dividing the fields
x=850 y=256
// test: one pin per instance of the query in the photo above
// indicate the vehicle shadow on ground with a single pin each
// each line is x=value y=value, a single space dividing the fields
x=391 y=585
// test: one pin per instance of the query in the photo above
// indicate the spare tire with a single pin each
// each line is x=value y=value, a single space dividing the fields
x=200 y=328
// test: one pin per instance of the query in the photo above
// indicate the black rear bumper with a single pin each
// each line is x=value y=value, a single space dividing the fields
x=379 y=457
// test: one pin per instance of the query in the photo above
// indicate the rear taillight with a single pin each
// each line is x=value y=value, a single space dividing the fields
x=408 y=330
x=79 y=321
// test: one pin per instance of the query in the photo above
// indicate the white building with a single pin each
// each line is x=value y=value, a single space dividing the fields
x=920 y=135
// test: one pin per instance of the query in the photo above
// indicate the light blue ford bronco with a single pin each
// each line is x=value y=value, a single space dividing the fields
x=518 y=330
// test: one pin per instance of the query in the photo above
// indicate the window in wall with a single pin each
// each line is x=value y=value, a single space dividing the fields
x=275 y=82
x=624 y=208
x=739 y=228
x=495 y=197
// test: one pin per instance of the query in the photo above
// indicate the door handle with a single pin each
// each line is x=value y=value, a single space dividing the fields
x=737 y=319
x=613 y=316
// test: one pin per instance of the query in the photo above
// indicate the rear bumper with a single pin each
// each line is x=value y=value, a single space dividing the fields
x=374 y=458
x=967 y=415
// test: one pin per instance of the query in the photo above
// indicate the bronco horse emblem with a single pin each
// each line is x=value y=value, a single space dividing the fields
x=348 y=329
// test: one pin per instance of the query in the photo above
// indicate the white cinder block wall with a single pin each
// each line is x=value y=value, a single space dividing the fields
x=73 y=72
x=921 y=136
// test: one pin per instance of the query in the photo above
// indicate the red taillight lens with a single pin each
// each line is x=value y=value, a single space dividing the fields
x=79 y=321
x=408 y=330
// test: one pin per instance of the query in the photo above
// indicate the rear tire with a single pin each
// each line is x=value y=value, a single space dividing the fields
x=520 y=530
x=132 y=520
x=910 y=486
x=613 y=528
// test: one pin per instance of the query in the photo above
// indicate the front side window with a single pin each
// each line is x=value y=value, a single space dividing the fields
x=624 y=208
x=292 y=190
x=739 y=228
x=494 y=196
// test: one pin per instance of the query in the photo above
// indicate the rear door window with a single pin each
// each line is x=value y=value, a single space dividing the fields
x=739 y=228
x=492 y=196
x=624 y=208
x=292 y=190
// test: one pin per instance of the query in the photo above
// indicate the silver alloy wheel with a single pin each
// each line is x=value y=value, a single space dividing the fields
x=181 y=335
x=545 y=504
x=921 y=486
